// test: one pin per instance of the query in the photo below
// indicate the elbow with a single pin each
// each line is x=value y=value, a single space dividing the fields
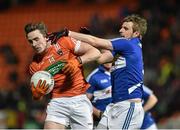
x=95 y=54
x=156 y=99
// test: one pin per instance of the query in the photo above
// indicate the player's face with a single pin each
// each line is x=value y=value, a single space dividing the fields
x=126 y=30
x=37 y=41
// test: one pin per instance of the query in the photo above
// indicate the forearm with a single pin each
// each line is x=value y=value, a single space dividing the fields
x=92 y=40
x=148 y=106
x=150 y=103
x=106 y=57
x=90 y=55
x=96 y=112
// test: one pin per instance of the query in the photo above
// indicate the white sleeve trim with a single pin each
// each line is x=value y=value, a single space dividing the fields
x=77 y=46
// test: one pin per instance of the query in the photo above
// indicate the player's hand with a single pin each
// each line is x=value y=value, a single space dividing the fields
x=84 y=30
x=54 y=36
x=71 y=67
x=40 y=90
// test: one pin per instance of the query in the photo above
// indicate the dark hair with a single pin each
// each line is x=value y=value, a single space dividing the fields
x=36 y=26
x=139 y=23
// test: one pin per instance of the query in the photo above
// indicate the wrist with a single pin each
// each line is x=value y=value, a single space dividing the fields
x=36 y=96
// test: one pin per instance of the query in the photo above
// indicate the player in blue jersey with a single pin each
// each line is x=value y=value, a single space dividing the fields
x=100 y=90
x=149 y=101
x=125 y=111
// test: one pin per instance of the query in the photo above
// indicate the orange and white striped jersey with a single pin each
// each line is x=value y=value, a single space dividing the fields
x=62 y=50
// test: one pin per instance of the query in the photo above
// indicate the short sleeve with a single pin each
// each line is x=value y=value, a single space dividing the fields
x=70 y=43
x=121 y=45
x=146 y=92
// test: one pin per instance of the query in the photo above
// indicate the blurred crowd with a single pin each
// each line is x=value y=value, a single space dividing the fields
x=161 y=50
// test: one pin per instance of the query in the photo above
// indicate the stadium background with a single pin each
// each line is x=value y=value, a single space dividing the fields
x=161 y=51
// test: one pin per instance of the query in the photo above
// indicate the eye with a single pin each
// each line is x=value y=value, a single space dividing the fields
x=30 y=41
x=126 y=28
x=36 y=39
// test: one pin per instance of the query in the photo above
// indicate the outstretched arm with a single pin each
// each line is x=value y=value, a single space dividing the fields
x=96 y=42
x=106 y=57
x=87 y=53
x=92 y=40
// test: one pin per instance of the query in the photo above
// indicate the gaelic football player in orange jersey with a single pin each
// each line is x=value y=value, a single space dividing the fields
x=69 y=104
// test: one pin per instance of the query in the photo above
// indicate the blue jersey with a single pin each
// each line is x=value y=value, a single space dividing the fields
x=148 y=119
x=127 y=69
x=100 y=87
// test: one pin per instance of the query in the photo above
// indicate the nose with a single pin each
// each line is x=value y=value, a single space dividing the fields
x=120 y=30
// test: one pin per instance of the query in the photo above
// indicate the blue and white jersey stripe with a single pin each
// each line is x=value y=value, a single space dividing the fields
x=100 y=88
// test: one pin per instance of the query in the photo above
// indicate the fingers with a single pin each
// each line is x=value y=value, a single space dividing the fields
x=32 y=85
x=46 y=87
x=40 y=90
x=52 y=37
x=84 y=30
x=43 y=84
x=39 y=83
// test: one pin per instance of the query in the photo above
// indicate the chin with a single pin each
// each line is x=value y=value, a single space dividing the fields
x=38 y=52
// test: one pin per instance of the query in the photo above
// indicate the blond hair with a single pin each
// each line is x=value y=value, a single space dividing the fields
x=139 y=23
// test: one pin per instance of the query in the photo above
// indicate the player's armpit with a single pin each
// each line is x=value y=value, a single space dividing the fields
x=40 y=90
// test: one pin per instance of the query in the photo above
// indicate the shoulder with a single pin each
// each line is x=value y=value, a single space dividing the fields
x=68 y=42
x=120 y=41
x=118 y=38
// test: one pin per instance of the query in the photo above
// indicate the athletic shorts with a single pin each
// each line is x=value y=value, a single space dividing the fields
x=122 y=115
x=74 y=111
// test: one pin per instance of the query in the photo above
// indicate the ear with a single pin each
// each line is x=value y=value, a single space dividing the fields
x=136 y=34
x=47 y=39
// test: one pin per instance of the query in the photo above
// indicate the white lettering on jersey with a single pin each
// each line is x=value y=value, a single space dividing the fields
x=104 y=81
x=119 y=63
x=51 y=60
